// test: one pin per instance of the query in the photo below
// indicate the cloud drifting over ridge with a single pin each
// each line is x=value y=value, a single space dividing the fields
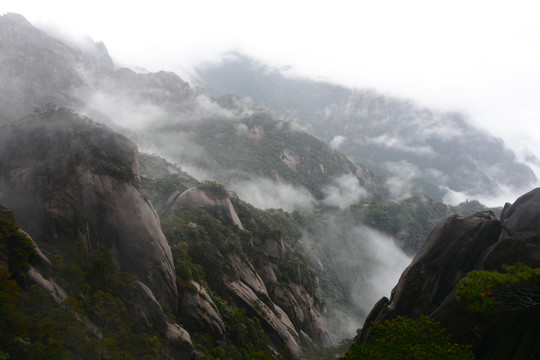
x=267 y=194
x=344 y=191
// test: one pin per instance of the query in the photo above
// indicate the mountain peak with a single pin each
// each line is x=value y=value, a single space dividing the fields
x=14 y=19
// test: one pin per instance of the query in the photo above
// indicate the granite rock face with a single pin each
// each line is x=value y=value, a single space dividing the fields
x=38 y=69
x=198 y=308
x=455 y=247
x=65 y=176
x=219 y=208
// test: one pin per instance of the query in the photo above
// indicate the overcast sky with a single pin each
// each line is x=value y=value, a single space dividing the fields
x=480 y=57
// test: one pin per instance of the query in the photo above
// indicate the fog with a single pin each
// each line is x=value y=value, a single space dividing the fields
x=480 y=58
x=270 y=194
x=367 y=265
x=344 y=191
x=400 y=182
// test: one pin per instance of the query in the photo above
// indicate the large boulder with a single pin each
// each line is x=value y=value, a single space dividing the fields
x=220 y=207
x=455 y=247
x=199 y=310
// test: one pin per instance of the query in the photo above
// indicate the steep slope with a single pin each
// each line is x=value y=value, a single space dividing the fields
x=506 y=328
x=38 y=69
x=72 y=184
x=65 y=176
x=233 y=268
x=420 y=151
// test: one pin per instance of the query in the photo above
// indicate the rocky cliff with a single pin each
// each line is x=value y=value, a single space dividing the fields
x=456 y=247
x=223 y=265
x=65 y=176
x=38 y=69
x=221 y=208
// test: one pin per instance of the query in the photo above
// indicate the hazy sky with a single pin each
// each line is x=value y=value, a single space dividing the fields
x=481 y=57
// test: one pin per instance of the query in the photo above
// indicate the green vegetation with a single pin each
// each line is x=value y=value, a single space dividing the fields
x=410 y=220
x=156 y=166
x=516 y=289
x=405 y=338
x=201 y=245
x=33 y=326
x=260 y=145
x=17 y=249
x=214 y=190
x=104 y=162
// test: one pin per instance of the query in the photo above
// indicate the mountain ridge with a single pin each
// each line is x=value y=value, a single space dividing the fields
x=395 y=138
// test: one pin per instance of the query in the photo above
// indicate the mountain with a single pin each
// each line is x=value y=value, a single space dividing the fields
x=74 y=185
x=93 y=243
x=224 y=139
x=98 y=245
x=38 y=69
x=419 y=151
x=478 y=277
x=162 y=222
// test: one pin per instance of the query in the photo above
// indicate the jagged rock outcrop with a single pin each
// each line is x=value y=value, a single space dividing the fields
x=180 y=341
x=198 y=308
x=65 y=176
x=164 y=88
x=274 y=318
x=289 y=314
x=455 y=247
x=38 y=69
x=221 y=208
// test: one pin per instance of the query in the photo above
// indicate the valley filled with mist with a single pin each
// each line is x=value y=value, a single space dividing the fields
x=248 y=213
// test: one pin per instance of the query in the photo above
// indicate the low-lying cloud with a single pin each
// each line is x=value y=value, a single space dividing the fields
x=337 y=141
x=399 y=183
x=400 y=144
x=367 y=264
x=126 y=112
x=269 y=194
x=344 y=191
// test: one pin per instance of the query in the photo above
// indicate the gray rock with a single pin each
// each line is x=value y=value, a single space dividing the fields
x=454 y=248
x=275 y=319
x=197 y=198
x=145 y=311
x=65 y=176
x=201 y=312
x=179 y=342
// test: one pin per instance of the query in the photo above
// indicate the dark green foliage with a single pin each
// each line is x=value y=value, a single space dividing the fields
x=214 y=190
x=405 y=338
x=410 y=220
x=245 y=336
x=298 y=157
x=12 y=324
x=197 y=237
x=155 y=166
x=103 y=162
x=70 y=265
x=160 y=179
x=276 y=224
x=201 y=245
x=33 y=326
x=102 y=270
x=17 y=248
x=516 y=289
